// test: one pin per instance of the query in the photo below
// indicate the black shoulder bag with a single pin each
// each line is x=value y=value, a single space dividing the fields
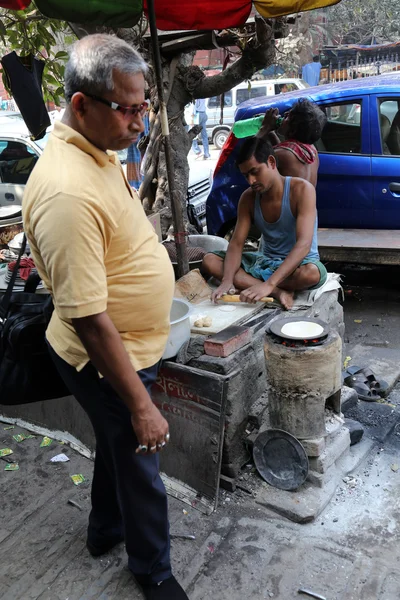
x=27 y=372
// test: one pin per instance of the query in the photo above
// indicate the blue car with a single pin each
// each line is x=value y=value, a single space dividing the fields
x=359 y=174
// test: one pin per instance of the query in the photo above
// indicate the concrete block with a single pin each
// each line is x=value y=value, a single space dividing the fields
x=227 y=341
x=339 y=444
x=348 y=398
x=314 y=447
x=333 y=425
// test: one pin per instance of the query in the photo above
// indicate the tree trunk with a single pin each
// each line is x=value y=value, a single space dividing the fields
x=189 y=83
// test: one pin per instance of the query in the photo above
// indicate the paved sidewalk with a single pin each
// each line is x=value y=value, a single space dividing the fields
x=242 y=551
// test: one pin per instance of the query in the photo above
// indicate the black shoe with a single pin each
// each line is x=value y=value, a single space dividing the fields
x=105 y=546
x=169 y=589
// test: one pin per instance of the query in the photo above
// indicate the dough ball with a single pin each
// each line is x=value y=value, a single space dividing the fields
x=199 y=322
x=207 y=322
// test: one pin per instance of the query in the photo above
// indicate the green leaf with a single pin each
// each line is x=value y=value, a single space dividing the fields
x=52 y=80
x=61 y=54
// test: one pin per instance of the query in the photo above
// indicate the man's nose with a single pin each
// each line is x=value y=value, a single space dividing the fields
x=136 y=123
x=251 y=179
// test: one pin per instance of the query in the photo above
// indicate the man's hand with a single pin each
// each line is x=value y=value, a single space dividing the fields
x=226 y=287
x=269 y=122
x=151 y=429
x=254 y=293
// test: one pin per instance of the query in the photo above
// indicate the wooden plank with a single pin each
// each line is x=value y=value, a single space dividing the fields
x=383 y=239
x=360 y=256
x=364 y=246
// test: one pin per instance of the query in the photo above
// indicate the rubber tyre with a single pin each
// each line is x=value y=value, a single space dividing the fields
x=220 y=138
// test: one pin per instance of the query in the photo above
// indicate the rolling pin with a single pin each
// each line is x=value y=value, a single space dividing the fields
x=236 y=298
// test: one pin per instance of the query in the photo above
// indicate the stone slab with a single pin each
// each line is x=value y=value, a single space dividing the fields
x=301 y=506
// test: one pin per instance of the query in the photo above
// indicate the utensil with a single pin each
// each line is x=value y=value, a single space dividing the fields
x=236 y=298
x=280 y=459
x=277 y=326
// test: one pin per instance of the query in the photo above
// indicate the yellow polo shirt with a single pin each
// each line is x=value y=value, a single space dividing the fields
x=95 y=249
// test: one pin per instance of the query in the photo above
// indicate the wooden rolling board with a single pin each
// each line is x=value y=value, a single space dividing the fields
x=223 y=315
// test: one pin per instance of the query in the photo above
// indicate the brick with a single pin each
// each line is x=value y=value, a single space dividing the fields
x=227 y=341
x=333 y=451
x=314 y=447
x=321 y=480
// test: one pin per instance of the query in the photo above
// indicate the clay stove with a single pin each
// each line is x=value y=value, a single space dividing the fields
x=304 y=376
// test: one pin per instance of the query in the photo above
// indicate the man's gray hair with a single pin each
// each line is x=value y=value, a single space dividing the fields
x=92 y=61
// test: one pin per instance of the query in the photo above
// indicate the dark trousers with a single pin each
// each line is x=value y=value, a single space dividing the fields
x=128 y=496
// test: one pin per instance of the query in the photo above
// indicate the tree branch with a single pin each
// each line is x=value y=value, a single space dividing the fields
x=258 y=54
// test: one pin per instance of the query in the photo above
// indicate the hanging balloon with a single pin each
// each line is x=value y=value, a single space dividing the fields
x=195 y=15
x=110 y=13
x=200 y=15
x=15 y=4
x=272 y=8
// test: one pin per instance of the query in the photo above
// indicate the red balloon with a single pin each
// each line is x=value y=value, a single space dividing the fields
x=200 y=14
x=15 y=4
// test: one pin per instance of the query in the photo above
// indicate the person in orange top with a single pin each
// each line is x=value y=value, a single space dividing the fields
x=112 y=285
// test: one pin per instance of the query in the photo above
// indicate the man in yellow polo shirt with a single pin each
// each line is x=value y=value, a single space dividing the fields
x=112 y=285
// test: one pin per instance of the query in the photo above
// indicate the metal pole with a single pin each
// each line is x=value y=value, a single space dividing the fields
x=176 y=207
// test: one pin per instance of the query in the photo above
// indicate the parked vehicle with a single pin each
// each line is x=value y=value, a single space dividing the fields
x=18 y=156
x=217 y=132
x=359 y=174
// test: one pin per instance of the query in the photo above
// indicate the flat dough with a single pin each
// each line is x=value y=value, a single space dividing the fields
x=301 y=329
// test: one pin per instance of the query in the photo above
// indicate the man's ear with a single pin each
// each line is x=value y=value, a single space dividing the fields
x=272 y=162
x=79 y=104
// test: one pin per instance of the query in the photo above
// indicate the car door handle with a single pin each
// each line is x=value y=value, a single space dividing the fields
x=9 y=197
x=394 y=187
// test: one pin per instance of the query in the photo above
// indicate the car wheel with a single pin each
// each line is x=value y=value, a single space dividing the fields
x=252 y=241
x=220 y=138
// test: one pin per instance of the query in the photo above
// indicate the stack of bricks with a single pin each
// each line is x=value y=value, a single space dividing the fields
x=324 y=453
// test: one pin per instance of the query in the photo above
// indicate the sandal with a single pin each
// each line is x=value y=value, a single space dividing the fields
x=362 y=386
x=379 y=385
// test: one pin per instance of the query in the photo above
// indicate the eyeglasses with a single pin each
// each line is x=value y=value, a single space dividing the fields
x=127 y=111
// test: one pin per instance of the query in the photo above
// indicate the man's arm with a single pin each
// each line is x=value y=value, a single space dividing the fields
x=107 y=353
x=304 y=193
x=269 y=123
x=233 y=256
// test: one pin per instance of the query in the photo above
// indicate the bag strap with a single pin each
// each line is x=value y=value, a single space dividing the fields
x=5 y=302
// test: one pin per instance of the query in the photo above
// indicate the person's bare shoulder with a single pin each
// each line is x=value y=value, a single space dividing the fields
x=302 y=192
x=246 y=202
x=247 y=197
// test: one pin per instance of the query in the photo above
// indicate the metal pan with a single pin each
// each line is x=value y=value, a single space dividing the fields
x=280 y=459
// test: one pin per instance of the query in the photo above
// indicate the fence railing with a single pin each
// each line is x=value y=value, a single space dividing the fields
x=360 y=67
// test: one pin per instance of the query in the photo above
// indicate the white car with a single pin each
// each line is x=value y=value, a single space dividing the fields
x=18 y=156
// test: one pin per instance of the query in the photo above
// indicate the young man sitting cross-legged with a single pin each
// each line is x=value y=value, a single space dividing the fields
x=284 y=210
